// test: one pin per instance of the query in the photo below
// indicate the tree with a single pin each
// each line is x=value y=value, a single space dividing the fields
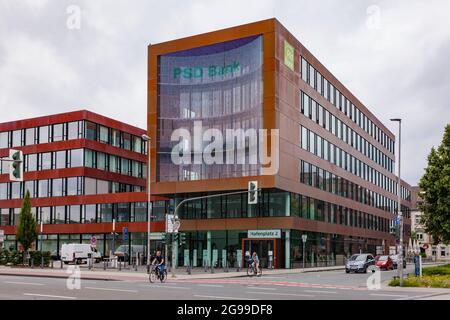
x=26 y=232
x=435 y=186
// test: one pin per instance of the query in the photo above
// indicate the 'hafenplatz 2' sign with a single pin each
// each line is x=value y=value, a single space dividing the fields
x=264 y=234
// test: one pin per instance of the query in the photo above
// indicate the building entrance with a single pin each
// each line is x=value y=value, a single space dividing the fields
x=264 y=248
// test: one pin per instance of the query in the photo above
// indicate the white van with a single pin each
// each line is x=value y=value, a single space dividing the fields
x=77 y=253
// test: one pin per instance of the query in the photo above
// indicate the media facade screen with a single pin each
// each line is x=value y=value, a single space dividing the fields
x=218 y=86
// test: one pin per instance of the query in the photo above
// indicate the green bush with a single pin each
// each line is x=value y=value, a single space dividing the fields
x=436 y=281
x=4 y=257
x=439 y=270
x=15 y=257
x=36 y=256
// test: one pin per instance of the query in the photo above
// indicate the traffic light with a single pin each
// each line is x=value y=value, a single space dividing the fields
x=182 y=239
x=175 y=237
x=252 y=192
x=16 y=167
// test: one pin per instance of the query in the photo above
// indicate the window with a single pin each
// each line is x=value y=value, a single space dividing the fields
x=102 y=187
x=76 y=158
x=304 y=138
x=16 y=138
x=125 y=166
x=16 y=192
x=43 y=189
x=91 y=131
x=29 y=136
x=44 y=215
x=60 y=157
x=31 y=163
x=304 y=70
x=101 y=161
x=45 y=162
x=90 y=211
x=58 y=132
x=74 y=186
x=57 y=188
x=89 y=160
x=43 y=134
x=126 y=137
x=90 y=186
x=104 y=134
x=59 y=215
x=137 y=144
x=74 y=214
x=123 y=212
x=106 y=212
x=115 y=138
x=4 y=142
x=3 y=191
x=73 y=130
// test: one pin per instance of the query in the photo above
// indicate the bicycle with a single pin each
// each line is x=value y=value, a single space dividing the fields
x=251 y=270
x=156 y=273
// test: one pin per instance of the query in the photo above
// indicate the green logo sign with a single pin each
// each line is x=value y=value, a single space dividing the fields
x=288 y=55
x=200 y=72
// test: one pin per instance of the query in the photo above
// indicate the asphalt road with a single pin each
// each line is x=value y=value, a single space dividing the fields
x=306 y=286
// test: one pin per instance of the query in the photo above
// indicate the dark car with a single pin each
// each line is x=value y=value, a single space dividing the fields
x=359 y=262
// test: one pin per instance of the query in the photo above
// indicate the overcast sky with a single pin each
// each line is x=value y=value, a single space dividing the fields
x=393 y=55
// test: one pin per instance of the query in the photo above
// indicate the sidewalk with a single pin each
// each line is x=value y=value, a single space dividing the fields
x=130 y=275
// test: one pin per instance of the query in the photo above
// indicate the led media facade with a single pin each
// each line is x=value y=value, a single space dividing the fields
x=219 y=85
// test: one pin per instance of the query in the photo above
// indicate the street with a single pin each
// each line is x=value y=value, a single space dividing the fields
x=305 y=286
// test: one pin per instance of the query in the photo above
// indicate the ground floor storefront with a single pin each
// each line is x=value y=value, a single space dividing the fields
x=276 y=248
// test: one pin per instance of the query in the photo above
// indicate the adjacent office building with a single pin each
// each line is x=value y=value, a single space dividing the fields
x=335 y=183
x=82 y=171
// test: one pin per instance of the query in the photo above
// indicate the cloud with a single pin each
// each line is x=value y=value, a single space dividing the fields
x=399 y=69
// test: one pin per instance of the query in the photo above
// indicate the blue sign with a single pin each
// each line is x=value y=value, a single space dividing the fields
x=125 y=234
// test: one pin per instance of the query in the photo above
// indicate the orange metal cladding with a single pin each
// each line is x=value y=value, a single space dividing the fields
x=265 y=28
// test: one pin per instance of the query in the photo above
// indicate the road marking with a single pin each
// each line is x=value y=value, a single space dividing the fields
x=210 y=285
x=260 y=288
x=25 y=283
x=320 y=291
x=48 y=296
x=220 y=297
x=389 y=295
x=282 y=294
x=111 y=289
x=171 y=287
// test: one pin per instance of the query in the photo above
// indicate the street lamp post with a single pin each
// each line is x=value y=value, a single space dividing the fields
x=399 y=197
x=148 y=140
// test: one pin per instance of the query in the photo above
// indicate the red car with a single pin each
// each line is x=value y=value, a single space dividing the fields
x=384 y=262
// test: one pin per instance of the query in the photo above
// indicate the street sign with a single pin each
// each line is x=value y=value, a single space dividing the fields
x=94 y=241
x=169 y=223
x=304 y=237
x=264 y=234
x=125 y=234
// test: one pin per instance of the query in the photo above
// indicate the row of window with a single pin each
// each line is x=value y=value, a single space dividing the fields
x=70 y=131
x=80 y=158
x=88 y=213
x=314 y=111
x=329 y=182
x=277 y=203
x=324 y=149
x=62 y=187
x=313 y=209
x=311 y=76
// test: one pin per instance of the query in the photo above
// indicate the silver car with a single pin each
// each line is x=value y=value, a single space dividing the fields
x=359 y=262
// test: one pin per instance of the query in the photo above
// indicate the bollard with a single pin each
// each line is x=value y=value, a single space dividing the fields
x=32 y=263
x=212 y=269
x=62 y=264
x=104 y=264
x=42 y=262
x=52 y=263
x=120 y=265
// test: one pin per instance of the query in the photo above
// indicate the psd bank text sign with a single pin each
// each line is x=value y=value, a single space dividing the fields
x=264 y=234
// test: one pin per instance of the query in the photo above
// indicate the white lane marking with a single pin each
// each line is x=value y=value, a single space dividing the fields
x=320 y=291
x=172 y=287
x=110 y=289
x=25 y=283
x=260 y=288
x=389 y=295
x=210 y=285
x=48 y=296
x=220 y=297
x=282 y=294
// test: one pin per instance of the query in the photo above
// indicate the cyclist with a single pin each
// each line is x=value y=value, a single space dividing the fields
x=159 y=261
x=255 y=262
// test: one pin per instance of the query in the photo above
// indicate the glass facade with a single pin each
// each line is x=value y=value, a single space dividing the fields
x=219 y=85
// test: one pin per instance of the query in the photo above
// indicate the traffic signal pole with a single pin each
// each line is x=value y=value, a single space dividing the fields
x=175 y=213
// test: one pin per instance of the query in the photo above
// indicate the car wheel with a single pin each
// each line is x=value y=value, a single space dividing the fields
x=347 y=271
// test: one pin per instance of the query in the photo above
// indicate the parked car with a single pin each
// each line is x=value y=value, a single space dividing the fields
x=78 y=253
x=359 y=262
x=123 y=254
x=384 y=262
x=395 y=259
